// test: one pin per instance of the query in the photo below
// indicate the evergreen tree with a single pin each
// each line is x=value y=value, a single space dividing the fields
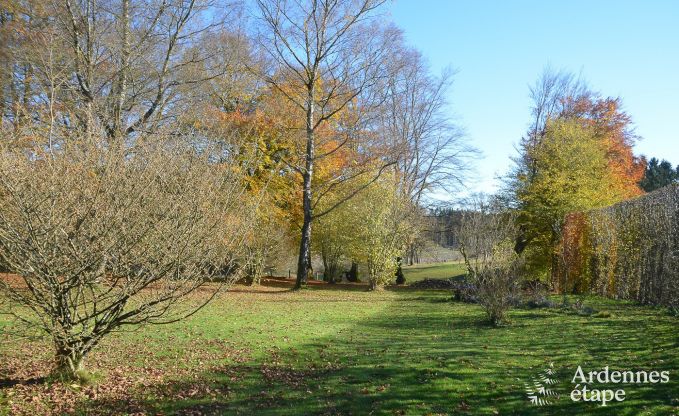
x=658 y=175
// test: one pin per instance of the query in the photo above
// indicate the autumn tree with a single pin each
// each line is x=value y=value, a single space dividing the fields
x=613 y=128
x=383 y=228
x=334 y=232
x=270 y=187
x=372 y=229
x=328 y=59
x=256 y=143
x=265 y=241
x=571 y=174
x=595 y=165
x=333 y=236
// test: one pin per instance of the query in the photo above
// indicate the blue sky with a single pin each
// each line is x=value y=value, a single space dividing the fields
x=628 y=49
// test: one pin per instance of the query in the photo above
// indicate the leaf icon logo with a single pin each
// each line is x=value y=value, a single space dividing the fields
x=538 y=393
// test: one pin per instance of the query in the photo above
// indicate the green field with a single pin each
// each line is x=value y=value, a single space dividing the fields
x=271 y=351
x=445 y=270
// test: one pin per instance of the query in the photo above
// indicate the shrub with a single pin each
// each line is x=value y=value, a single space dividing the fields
x=400 y=277
x=496 y=289
x=105 y=236
x=486 y=237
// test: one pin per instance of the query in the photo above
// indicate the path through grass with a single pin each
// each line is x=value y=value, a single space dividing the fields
x=444 y=270
x=334 y=351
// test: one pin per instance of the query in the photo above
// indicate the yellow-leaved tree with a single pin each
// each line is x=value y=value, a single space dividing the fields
x=571 y=175
x=371 y=229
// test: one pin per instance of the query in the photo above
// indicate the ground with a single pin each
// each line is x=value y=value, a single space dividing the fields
x=442 y=270
x=341 y=350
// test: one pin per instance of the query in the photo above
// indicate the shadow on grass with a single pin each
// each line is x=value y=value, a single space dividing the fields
x=422 y=358
x=9 y=383
x=325 y=286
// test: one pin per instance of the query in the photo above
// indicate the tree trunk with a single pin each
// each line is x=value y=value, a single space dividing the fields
x=327 y=266
x=254 y=268
x=400 y=277
x=304 y=261
x=331 y=265
x=412 y=256
x=374 y=282
x=353 y=273
x=333 y=271
x=69 y=361
x=554 y=262
x=372 y=285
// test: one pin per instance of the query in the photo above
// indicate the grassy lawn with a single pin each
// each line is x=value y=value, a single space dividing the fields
x=445 y=270
x=270 y=351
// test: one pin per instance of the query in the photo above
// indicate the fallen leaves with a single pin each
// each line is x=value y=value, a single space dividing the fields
x=123 y=388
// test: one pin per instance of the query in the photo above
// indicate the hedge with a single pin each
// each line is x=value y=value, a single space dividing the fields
x=629 y=250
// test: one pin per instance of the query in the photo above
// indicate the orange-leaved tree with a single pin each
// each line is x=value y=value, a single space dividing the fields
x=577 y=155
x=325 y=57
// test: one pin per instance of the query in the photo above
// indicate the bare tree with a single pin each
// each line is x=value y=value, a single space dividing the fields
x=238 y=85
x=327 y=57
x=552 y=95
x=486 y=237
x=129 y=65
x=434 y=157
x=21 y=22
x=105 y=237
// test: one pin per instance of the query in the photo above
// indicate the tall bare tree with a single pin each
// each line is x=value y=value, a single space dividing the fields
x=20 y=23
x=434 y=157
x=327 y=57
x=129 y=65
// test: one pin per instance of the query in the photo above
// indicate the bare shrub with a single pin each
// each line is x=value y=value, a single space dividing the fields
x=486 y=236
x=106 y=236
x=264 y=243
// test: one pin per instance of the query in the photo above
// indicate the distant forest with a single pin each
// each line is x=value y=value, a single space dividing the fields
x=442 y=224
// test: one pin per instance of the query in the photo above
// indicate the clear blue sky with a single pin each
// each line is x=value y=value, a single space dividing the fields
x=628 y=49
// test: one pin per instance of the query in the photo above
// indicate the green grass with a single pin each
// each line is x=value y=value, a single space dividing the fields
x=337 y=351
x=445 y=270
